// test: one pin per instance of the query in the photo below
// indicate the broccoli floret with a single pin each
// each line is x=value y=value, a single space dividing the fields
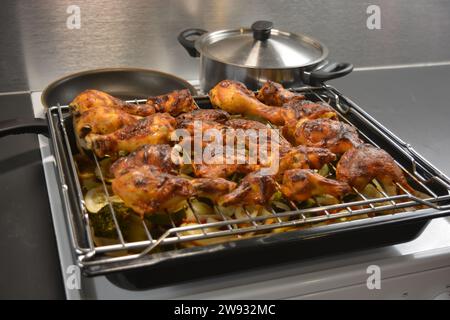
x=103 y=223
x=163 y=219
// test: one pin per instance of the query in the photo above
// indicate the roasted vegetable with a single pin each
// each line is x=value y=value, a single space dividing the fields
x=204 y=242
x=163 y=219
x=95 y=199
x=105 y=165
x=84 y=165
x=200 y=208
x=89 y=183
x=102 y=222
x=326 y=200
x=324 y=171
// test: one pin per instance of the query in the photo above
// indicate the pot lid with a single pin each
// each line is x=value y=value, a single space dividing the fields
x=261 y=46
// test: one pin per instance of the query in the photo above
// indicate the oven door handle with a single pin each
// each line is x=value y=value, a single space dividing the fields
x=23 y=125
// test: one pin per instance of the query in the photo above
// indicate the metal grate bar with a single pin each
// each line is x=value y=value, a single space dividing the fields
x=111 y=208
x=224 y=218
x=250 y=218
x=147 y=232
x=274 y=214
x=166 y=239
x=78 y=188
x=196 y=216
x=173 y=224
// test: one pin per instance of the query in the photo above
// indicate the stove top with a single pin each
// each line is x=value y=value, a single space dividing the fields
x=418 y=269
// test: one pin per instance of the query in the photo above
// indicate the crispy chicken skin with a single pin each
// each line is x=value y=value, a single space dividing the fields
x=216 y=115
x=359 y=166
x=259 y=128
x=302 y=157
x=102 y=120
x=174 y=103
x=204 y=170
x=336 y=136
x=245 y=124
x=239 y=162
x=254 y=189
x=235 y=98
x=232 y=162
x=157 y=155
x=298 y=111
x=93 y=98
x=207 y=136
x=305 y=109
x=302 y=184
x=155 y=129
x=273 y=94
x=222 y=170
x=228 y=160
x=212 y=188
x=203 y=125
x=147 y=190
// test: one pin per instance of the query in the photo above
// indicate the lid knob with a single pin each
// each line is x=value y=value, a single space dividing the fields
x=261 y=30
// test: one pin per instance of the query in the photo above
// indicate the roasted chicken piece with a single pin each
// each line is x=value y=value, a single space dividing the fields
x=207 y=132
x=298 y=111
x=212 y=188
x=155 y=129
x=157 y=155
x=273 y=94
x=336 y=136
x=235 y=98
x=147 y=190
x=93 y=98
x=360 y=165
x=302 y=184
x=255 y=189
x=101 y=120
x=222 y=170
x=216 y=115
x=244 y=124
x=243 y=152
x=302 y=157
x=174 y=103
x=230 y=161
x=206 y=162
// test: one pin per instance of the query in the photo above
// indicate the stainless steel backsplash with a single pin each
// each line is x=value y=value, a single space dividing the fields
x=37 y=47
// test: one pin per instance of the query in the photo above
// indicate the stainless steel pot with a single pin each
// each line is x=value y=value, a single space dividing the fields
x=260 y=53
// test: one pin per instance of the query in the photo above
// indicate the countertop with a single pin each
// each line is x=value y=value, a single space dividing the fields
x=412 y=102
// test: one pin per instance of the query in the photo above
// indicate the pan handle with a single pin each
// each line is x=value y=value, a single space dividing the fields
x=330 y=71
x=23 y=125
x=189 y=44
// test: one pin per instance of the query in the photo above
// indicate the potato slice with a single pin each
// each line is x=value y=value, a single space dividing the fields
x=95 y=199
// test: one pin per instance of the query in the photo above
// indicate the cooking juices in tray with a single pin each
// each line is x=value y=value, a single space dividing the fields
x=164 y=173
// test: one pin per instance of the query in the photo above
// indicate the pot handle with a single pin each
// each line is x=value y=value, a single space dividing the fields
x=188 y=44
x=330 y=71
x=22 y=125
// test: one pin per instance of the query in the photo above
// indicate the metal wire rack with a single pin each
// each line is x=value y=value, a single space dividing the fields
x=230 y=229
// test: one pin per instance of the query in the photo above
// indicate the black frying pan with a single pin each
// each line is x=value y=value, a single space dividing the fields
x=123 y=83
